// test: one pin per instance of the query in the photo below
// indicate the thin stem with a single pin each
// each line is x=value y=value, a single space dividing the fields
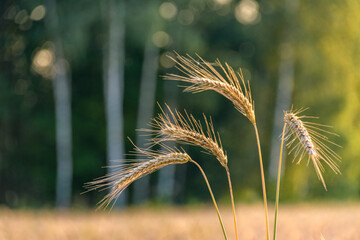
x=278 y=182
x=213 y=198
x=232 y=201
x=263 y=183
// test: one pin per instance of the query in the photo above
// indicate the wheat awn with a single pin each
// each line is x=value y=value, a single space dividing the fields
x=123 y=175
x=311 y=143
x=204 y=76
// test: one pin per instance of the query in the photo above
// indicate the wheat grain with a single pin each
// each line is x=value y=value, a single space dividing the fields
x=310 y=142
x=204 y=77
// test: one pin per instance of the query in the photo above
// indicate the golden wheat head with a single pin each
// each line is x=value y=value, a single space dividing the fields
x=310 y=142
x=203 y=76
x=124 y=174
x=173 y=126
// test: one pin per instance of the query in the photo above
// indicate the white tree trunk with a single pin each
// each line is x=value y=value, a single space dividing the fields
x=114 y=86
x=284 y=91
x=145 y=111
x=166 y=181
x=283 y=99
x=62 y=98
x=166 y=184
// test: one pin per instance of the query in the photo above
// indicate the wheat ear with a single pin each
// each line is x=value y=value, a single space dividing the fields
x=123 y=175
x=173 y=126
x=311 y=143
x=204 y=76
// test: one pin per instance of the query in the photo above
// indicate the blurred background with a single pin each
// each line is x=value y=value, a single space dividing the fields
x=78 y=77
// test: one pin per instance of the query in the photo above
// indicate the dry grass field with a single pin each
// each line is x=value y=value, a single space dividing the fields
x=321 y=221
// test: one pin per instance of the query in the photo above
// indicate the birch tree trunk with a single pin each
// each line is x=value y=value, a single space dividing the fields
x=283 y=99
x=62 y=98
x=166 y=181
x=113 y=62
x=145 y=111
x=284 y=90
x=168 y=186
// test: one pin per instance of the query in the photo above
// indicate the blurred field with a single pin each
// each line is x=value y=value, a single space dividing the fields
x=335 y=221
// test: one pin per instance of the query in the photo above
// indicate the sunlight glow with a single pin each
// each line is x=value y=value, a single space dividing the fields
x=247 y=11
x=21 y=17
x=222 y=2
x=38 y=13
x=161 y=39
x=168 y=10
x=43 y=61
x=43 y=58
x=165 y=60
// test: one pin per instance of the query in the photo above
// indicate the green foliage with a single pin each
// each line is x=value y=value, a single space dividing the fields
x=327 y=79
x=324 y=34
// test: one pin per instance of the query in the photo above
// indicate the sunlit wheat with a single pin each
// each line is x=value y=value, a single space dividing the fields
x=173 y=126
x=307 y=139
x=126 y=173
x=204 y=76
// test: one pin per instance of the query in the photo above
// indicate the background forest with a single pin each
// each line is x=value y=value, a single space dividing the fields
x=78 y=77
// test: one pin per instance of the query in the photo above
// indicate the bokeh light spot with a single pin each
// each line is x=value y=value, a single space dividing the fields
x=165 y=60
x=161 y=39
x=186 y=17
x=168 y=10
x=10 y=13
x=18 y=47
x=26 y=25
x=43 y=58
x=38 y=13
x=222 y=2
x=21 y=17
x=247 y=11
x=43 y=62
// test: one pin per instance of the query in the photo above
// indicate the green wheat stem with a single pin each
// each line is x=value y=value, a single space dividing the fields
x=263 y=183
x=213 y=198
x=232 y=201
x=278 y=182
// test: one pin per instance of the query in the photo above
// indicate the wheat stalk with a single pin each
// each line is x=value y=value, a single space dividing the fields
x=173 y=126
x=204 y=76
x=125 y=174
x=310 y=143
